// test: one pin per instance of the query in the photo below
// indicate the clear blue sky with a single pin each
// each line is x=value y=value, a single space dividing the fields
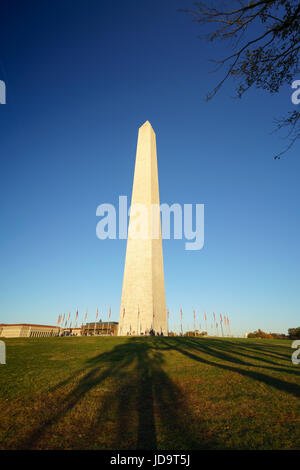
x=81 y=77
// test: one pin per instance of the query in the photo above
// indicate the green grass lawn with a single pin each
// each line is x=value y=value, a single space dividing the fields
x=149 y=393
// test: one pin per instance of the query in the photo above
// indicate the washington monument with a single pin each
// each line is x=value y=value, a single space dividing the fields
x=143 y=303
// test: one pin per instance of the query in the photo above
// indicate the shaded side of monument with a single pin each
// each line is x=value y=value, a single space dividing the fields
x=143 y=303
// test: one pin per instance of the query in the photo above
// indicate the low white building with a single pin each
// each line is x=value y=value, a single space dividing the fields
x=26 y=330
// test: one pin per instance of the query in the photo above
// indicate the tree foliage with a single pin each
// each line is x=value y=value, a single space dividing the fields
x=294 y=333
x=264 y=37
x=261 y=334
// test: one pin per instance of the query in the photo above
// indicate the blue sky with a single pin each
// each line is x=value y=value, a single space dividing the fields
x=81 y=78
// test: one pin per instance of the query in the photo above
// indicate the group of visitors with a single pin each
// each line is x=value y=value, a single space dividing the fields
x=147 y=332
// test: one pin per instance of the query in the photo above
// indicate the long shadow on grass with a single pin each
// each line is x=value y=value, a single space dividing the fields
x=215 y=352
x=124 y=400
x=247 y=355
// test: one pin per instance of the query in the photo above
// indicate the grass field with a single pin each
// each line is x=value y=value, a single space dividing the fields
x=149 y=393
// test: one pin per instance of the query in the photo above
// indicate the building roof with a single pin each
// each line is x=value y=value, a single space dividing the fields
x=27 y=324
x=70 y=328
x=101 y=323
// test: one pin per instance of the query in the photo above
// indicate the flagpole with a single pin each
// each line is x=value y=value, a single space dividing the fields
x=215 y=323
x=95 y=323
x=205 y=322
x=122 y=327
x=168 y=314
x=109 y=319
x=221 y=321
x=85 y=317
x=58 y=323
x=229 y=327
x=194 y=324
x=181 y=322
x=76 y=317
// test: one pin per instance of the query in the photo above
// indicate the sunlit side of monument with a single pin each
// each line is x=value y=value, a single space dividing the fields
x=143 y=303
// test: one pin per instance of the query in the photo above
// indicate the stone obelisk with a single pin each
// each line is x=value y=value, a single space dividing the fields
x=143 y=303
